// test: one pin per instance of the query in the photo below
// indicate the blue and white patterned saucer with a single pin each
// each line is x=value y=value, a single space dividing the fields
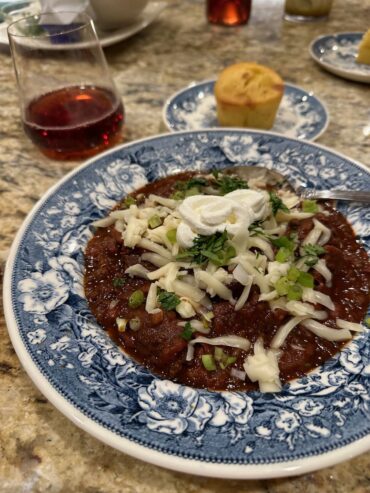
x=314 y=422
x=301 y=115
x=337 y=54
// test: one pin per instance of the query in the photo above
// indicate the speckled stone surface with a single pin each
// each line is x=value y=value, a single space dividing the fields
x=40 y=450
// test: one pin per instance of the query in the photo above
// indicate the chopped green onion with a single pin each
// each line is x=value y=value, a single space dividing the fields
x=310 y=206
x=208 y=362
x=136 y=299
x=187 y=332
x=305 y=279
x=293 y=273
x=227 y=362
x=118 y=282
x=121 y=324
x=178 y=195
x=168 y=300
x=192 y=191
x=135 y=324
x=171 y=235
x=154 y=221
x=129 y=201
x=283 y=255
x=367 y=321
x=282 y=286
x=219 y=354
x=294 y=292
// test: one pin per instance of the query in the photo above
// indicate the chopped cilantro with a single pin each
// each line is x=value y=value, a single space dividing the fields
x=227 y=184
x=255 y=229
x=118 y=282
x=277 y=204
x=187 y=332
x=311 y=254
x=209 y=248
x=313 y=250
x=168 y=300
x=195 y=182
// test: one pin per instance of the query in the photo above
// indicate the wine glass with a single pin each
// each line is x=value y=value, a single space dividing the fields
x=70 y=107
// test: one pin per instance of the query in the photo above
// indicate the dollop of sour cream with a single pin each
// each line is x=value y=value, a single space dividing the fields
x=207 y=214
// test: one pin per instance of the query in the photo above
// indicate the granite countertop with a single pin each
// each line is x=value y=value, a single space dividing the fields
x=40 y=450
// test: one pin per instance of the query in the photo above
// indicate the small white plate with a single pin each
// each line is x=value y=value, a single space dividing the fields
x=107 y=38
x=337 y=52
x=301 y=115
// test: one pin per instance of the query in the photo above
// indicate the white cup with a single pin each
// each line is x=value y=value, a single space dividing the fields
x=112 y=14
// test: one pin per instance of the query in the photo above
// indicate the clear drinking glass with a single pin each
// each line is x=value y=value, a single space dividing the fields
x=70 y=107
x=307 y=10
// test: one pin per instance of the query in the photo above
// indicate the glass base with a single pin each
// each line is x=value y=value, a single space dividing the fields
x=305 y=18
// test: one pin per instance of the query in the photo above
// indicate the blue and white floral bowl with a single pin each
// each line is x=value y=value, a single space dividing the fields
x=301 y=114
x=314 y=422
x=336 y=53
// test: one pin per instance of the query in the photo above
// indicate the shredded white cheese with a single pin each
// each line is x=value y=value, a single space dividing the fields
x=325 y=332
x=263 y=367
x=230 y=341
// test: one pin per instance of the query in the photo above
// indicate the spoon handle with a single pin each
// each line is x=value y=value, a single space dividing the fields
x=356 y=196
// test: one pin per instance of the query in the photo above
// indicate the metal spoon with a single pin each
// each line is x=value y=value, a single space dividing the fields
x=274 y=178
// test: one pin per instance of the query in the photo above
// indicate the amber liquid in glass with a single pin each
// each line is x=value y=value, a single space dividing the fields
x=74 y=122
x=228 y=12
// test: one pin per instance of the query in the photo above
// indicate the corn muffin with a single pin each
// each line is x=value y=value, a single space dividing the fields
x=248 y=95
x=363 y=55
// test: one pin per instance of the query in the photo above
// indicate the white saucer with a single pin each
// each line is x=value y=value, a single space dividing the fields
x=107 y=38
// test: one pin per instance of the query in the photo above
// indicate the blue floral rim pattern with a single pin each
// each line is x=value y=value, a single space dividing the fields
x=47 y=313
x=337 y=54
x=301 y=115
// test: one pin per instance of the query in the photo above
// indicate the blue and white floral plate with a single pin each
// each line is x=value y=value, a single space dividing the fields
x=301 y=115
x=336 y=53
x=314 y=422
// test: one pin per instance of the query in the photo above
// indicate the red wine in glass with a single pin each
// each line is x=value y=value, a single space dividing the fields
x=228 y=12
x=74 y=122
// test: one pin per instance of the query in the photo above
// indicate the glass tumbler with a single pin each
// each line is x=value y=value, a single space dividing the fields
x=70 y=108
x=307 y=10
x=228 y=12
